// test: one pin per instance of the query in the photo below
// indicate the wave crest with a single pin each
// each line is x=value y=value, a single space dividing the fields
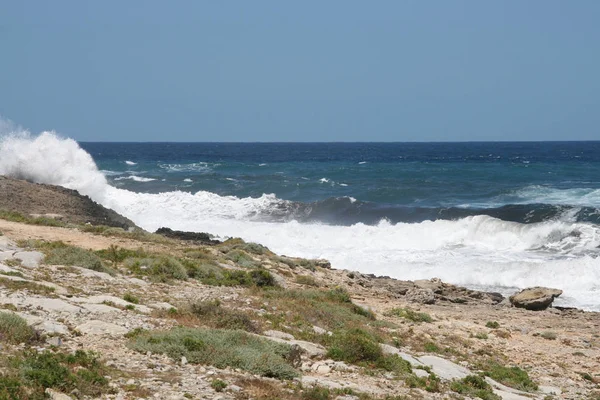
x=48 y=158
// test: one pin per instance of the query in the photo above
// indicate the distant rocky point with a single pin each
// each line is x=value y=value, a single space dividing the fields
x=57 y=202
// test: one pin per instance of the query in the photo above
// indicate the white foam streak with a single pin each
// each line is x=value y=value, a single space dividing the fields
x=135 y=178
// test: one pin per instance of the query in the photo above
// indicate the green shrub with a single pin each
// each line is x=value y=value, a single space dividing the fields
x=131 y=298
x=29 y=373
x=431 y=347
x=218 y=385
x=429 y=383
x=220 y=348
x=514 y=377
x=354 y=346
x=316 y=393
x=410 y=315
x=212 y=314
x=14 y=329
x=492 y=325
x=118 y=254
x=307 y=280
x=474 y=386
x=70 y=255
x=241 y=258
x=161 y=269
x=481 y=335
x=262 y=278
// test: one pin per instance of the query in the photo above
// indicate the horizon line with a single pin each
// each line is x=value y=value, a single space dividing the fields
x=348 y=142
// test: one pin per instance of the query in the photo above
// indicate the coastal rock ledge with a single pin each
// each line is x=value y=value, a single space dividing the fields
x=535 y=299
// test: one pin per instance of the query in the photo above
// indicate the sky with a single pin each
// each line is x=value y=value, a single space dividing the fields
x=282 y=71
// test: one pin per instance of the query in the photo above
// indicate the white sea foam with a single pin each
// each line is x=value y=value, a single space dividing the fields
x=188 y=180
x=192 y=167
x=135 y=178
x=130 y=162
x=477 y=250
x=548 y=195
x=48 y=158
x=324 y=180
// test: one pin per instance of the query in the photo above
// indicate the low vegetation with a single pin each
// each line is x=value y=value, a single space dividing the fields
x=298 y=311
x=31 y=287
x=27 y=219
x=212 y=314
x=26 y=375
x=474 y=386
x=410 y=315
x=514 y=376
x=220 y=348
x=14 y=329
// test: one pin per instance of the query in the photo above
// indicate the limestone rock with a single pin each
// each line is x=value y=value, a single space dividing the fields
x=435 y=284
x=278 y=334
x=535 y=299
x=95 y=327
x=54 y=395
x=30 y=259
x=445 y=369
x=422 y=296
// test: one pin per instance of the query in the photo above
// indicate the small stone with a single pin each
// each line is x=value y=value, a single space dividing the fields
x=54 y=341
x=184 y=360
x=234 y=388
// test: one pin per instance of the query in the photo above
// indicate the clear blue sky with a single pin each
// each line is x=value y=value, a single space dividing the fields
x=302 y=71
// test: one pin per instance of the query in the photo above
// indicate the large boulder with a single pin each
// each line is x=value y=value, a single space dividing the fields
x=535 y=299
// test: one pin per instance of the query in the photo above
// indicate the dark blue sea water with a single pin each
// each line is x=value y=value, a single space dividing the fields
x=346 y=183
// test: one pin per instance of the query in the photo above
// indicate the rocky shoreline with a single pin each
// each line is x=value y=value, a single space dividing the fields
x=115 y=291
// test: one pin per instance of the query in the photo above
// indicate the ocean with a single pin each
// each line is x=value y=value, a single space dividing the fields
x=492 y=216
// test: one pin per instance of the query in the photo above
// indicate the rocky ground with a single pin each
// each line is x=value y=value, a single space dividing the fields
x=100 y=299
x=61 y=204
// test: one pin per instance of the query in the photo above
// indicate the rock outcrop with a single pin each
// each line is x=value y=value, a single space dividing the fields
x=64 y=204
x=535 y=299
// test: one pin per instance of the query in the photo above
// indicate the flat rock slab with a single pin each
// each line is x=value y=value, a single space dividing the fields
x=46 y=326
x=308 y=381
x=508 y=393
x=312 y=350
x=45 y=304
x=7 y=244
x=535 y=298
x=445 y=369
x=161 y=306
x=388 y=349
x=278 y=334
x=96 y=327
x=99 y=300
x=29 y=259
x=6 y=254
x=94 y=274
